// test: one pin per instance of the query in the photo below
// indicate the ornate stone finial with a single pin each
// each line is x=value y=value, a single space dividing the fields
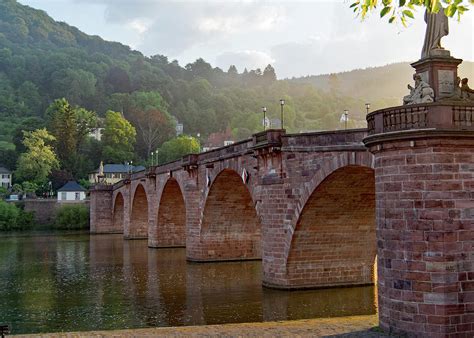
x=437 y=27
x=421 y=93
x=101 y=168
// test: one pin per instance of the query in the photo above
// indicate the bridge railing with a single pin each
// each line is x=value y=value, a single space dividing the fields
x=325 y=138
x=231 y=150
x=438 y=116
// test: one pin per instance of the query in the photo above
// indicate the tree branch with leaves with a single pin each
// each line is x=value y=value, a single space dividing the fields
x=403 y=9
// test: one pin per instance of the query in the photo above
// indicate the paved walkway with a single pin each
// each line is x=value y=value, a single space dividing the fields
x=356 y=326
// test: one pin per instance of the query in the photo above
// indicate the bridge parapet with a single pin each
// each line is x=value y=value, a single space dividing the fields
x=325 y=140
x=425 y=118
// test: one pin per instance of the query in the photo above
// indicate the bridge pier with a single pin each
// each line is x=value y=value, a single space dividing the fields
x=101 y=213
x=424 y=171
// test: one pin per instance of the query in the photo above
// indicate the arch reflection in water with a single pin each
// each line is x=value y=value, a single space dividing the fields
x=102 y=282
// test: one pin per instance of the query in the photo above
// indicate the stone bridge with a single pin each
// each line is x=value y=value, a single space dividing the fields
x=316 y=208
x=303 y=203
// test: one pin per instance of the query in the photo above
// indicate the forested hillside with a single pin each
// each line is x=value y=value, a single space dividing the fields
x=42 y=60
x=387 y=82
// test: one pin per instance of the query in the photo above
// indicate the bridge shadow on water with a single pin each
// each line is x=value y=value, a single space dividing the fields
x=82 y=282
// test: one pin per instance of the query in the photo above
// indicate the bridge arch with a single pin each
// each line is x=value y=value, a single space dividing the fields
x=139 y=213
x=170 y=226
x=334 y=242
x=118 y=212
x=230 y=226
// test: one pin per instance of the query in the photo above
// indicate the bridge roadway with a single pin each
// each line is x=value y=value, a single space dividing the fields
x=316 y=208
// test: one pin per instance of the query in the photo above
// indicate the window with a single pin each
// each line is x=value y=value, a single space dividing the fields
x=78 y=196
x=63 y=195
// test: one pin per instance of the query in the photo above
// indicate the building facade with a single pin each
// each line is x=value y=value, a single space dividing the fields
x=113 y=173
x=71 y=192
x=5 y=178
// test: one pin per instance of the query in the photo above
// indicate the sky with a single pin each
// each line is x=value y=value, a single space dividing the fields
x=298 y=38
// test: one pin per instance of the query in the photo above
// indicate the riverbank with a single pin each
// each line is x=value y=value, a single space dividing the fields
x=353 y=326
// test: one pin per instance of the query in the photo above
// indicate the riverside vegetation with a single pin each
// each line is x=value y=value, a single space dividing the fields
x=13 y=217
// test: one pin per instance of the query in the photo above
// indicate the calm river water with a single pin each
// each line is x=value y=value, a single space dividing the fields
x=81 y=282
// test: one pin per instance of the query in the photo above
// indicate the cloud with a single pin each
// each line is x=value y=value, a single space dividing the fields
x=250 y=59
x=171 y=27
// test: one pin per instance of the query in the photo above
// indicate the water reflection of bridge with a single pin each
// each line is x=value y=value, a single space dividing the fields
x=158 y=288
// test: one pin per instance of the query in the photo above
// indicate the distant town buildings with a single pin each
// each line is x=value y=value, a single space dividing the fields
x=217 y=140
x=113 y=173
x=70 y=192
x=5 y=177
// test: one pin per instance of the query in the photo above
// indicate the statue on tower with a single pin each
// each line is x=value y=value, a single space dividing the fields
x=421 y=93
x=436 y=28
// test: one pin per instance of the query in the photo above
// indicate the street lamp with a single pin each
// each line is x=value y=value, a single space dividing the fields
x=152 y=158
x=282 y=103
x=264 y=110
x=367 y=107
x=346 y=117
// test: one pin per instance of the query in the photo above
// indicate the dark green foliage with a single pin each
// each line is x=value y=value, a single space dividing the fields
x=14 y=218
x=72 y=217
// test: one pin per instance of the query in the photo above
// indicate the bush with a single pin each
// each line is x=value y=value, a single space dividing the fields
x=14 y=218
x=72 y=217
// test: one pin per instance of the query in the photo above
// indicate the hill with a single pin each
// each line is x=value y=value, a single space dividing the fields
x=387 y=82
x=41 y=60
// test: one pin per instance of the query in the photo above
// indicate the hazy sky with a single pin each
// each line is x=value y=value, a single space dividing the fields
x=297 y=37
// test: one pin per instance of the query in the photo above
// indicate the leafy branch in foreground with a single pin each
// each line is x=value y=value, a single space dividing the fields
x=403 y=9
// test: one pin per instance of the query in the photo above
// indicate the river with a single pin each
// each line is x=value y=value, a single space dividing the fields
x=58 y=282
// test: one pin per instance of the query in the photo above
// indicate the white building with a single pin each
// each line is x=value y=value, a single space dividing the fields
x=71 y=192
x=96 y=133
x=5 y=178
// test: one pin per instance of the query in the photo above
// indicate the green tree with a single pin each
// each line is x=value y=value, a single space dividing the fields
x=403 y=9
x=63 y=126
x=77 y=85
x=118 y=138
x=154 y=127
x=29 y=97
x=28 y=124
x=174 y=149
x=269 y=74
x=86 y=121
x=70 y=126
x=39 y=160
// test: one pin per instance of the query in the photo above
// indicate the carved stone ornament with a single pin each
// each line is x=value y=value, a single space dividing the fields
x=421 y=93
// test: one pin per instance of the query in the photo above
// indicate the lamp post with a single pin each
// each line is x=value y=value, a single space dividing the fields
x=282 y=103
x=367 y=107
x=131 y=167
x=156 y=153
x=152 y=153
x=264 y=110
x=198 y=136
x=346 y=116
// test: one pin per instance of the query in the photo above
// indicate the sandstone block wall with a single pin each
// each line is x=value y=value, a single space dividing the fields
x=425 y=236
